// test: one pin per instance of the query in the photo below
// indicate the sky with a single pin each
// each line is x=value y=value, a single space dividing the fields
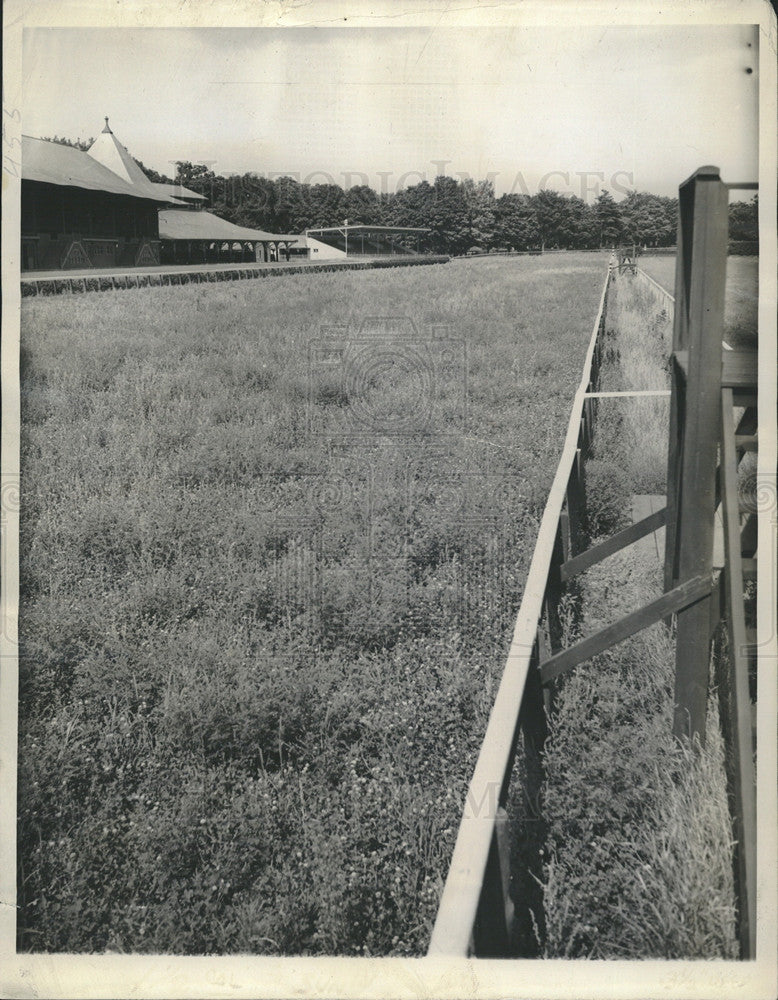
x=573 y=109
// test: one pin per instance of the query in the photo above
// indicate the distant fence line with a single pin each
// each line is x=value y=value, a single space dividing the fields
x=109 y=282
x=735 y=248
x=527 y=253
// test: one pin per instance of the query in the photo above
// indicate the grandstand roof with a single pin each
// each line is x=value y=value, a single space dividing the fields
x=108 y=166
x=182 y=224
x=178 y=191
x=52 y=163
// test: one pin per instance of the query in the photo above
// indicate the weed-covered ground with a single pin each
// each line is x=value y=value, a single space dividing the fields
x=272 y=548
x=639 y=848
x=629 y=453
x=639 y=842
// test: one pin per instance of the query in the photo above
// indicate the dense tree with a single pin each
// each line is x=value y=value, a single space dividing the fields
x=449 y=217
x=478 y=199
x=578 y=225
x=198 y=177
x=515 y=223
x=649 y=220
x=325 y=204
x=290 y=212
x=409 y=206
x=744 y=220
x=256 y=202
x=363 y=206
x=550 y=209
x=609 y=219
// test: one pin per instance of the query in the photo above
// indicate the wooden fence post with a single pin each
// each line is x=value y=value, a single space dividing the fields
x=694 y=428
x=742 y=779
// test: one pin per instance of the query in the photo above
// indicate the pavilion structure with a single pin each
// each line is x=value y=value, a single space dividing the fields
x=86 y=209
x=333 y=242
x=97 y=209
x=195 y=236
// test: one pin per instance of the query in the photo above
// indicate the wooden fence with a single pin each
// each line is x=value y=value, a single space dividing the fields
x=706 y=448
x=668 y=298
x=478 y=913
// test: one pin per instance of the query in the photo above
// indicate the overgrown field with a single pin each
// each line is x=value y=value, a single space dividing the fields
x=741 y=297
x=272 y=548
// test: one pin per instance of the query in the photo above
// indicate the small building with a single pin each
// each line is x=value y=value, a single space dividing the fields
x=87 y=209
x=338 y=242
x=195 y=236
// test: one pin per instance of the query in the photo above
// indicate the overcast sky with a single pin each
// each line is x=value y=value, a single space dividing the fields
x=643 y=107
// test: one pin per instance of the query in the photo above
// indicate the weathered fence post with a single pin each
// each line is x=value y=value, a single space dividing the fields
x=694 y=428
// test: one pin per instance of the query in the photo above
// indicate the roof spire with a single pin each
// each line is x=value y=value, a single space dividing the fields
x=107 y=128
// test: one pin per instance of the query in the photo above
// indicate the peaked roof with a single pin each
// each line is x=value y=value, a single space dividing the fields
x=52 y=163
x=106 y=149
x=182 y=224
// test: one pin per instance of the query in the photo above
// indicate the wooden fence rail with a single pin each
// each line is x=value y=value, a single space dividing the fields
x=667 y=296
x=479 y=863
x=477 y=913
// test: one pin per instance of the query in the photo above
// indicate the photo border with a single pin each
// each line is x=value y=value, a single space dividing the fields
x=49 y=975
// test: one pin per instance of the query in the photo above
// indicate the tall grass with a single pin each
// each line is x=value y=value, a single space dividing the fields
x=639 y=844
x=639 y=851
x=630 y=447
x=257 y=650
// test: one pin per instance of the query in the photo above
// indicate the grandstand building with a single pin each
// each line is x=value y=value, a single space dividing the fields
x=194 y=236
x=97 y=209
x=87 y=209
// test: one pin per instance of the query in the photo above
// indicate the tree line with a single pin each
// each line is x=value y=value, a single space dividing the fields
x=462 y=215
